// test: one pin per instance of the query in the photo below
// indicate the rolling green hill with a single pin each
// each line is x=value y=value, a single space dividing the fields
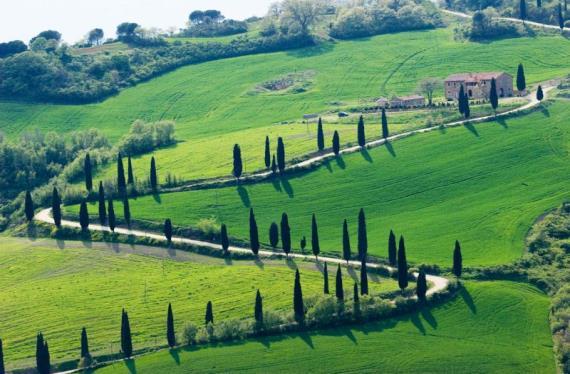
x=493 y=327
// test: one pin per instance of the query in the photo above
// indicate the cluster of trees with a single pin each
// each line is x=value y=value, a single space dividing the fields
x=210 y=23
x=145 y=137
x=294 y=17
x=486 y=25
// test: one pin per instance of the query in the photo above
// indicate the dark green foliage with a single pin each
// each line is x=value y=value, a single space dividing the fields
x=280 y=155
x=521 y=79
x=130 y=173
x=224 y=238
x=209 y=313
x=385 y=132
x=315 y=237
x=326 y=280
x=339 y=290
x=336 y=143
x=83 y=216
x=361 y=132
x=493 y=96
x=11 y=48
x=421 y=286
x=2 y=368
x=126 y=210
x=522 y=9
x=461 y=100
x=392 y=250
x=539 y=93
x=238 y=166
x=170 y=334
x=126 y=339
x=84 y=344
x=56 y=208
x=87 y=170
x=121 y=184
x=355 y=295
x=298 y=304
x=362 y=236
x=402 y=265
x=345 y=242
x=539 y=3
x=43 y=364
x=363 y=278
x=320 y=136
x=285 y=234
x=258 y=311
x=153 y=176
x=303 y=243
x=457 y=259
x=102 y=207
x=112 y=219
x=273 y=165
x=253 y=233
x=168 y=229
x=467 y=112
x=273 y=235
x=560 y=17
x=29 y=206
x=267 y=153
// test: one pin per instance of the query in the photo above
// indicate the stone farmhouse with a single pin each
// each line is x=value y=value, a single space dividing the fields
x=413 y=101
x=478 y=85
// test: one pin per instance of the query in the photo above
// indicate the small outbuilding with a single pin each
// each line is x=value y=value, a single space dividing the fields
x=412 y=101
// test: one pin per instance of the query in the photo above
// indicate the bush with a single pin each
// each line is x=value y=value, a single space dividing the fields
x=208 y=226
x=323 y=311
x=212 y=29
x=189 y=332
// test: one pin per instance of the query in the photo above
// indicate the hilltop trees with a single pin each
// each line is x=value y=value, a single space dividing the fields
x=88 y=173
x=43 y=362
x=29 y=206
x=253 y=233
x=121 y=184
x=273 y=235
x=153 y=176
x=267 y=153
x=258 y=311
x=521 y=79
x=392 y=251
x=421 y=286
x=224 y=238
x=385 y=132
x=126 y=339
x=457 y=260
x=285 y=234
x=339 y=289
x=168 y=230
x=56 y=208
x=83 y=216
x=362 y=236
x=336 y=143
x=209 y=313
x=84 y=345
x=320 y=136
x=363 y=278
x=539 y=93
x=402 y=265
x=345 y=242
x=360 y=132
x=326 y=280
x=493 y=97
x=112 y=220
x=102 y=207
x=298 y=305
x=280 y=154
x=95 y=36
x=301 y=13
x=238 y=166
x=170 y=334
x=315 y=237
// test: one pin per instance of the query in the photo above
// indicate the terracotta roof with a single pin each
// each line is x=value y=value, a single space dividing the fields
x=473 y=77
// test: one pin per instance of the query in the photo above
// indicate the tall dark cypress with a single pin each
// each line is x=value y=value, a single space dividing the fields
x=112 y=219
x=84 y=344
x=121 y=184
x=83 y=216
x=267 y=153
x=467 y=109
x=521 y=79
x=209 y=313
x=363 y=278
x=127 y=210
x=493 y=96
x=339 y=290
x=238 y=165
x=102 y=207
x=56 y=208
x=40 y=366
x=402 y=265
x=153 y=176
x=2 y=368
x=320 y=136
x=285 y=234
x=253 y=233
x=326 y=280
x=539 y=93
x=539 y=3
x=280 y=155
x=315 y=237
x=522 y=10
x=385 y=132
x=356 y=302
x=273 y=165
x=273 y=235
x=258 y=310
x=392 y=250
x=345 y=242
x=355 y=295
x=336 y=143
x=126 y=339
x=224 y=238
x=130 y=173
x=170 y=334
x=360 y=132
x=457 y=260
x=461 y=100
x=168 y=230
x=362 y=236
x=421 y=286
x=560 y=17
x=303 y=243
x=298 y=304
x=88 y=173
x=47 y=358
x=29 y=206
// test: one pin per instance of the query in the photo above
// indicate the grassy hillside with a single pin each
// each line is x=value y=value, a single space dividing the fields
x=483 y=185
x=59 y=290
x=497 y=327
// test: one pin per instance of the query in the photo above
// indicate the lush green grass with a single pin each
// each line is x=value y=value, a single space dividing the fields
x=483 y=185
x=497 y=327
x=59 y=291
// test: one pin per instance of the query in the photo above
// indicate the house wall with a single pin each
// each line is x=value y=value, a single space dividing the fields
x=480 y=89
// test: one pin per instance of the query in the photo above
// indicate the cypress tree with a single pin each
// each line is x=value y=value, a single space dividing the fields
x=40 y=365
x=2 y=368
x=467 y=109
x=385 y=132
x=168 y=230
x=522 y=10
x=56 y=208
x=112 y=221
x=298 y=305
x=47 y=359
x=88 y=173
x=363 y=278
x=224 y=238
x=258 y=311
x=29 y=206
x=392 y=251
x=303 y=243
x=345 y=242
x=253 y=233
x=457 y=260
x=170 y=335
x=273 y=165
x=402 y=265
x=126 y=339
x=273 y=235
x=361 y=133
x=121 y=184
x=494 y=98
x=521 y=80
x=209 y=313
x=461 y=100
x=326 y=280
x=102 y=207
x=539 y=93
x=320 y=136
x=336 y=143
x=84 y=344
x=130 y=173
x=421 y=286
x=280 y=155
x=355 y=295
x=267 y=153
x=315 y=237
x=285 y=234
x=356 y=302
x=362 y=236
x=238 y=165
x=339 y=289
x=539 y=3
x=83 y=216
x=153 y=176
x=127 y=210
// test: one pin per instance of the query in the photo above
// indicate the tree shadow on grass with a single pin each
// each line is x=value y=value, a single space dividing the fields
x=287 y=187
x=276 y=184
x=228 y=259
x=244 y=196
x=468 y=300
x=131 y=365
x=291 y=264
x=352 y=273
x=86 y=239
x=156 y=197
x=306 y=337
x=415 y=318
x=175 y=356
x=259 y=263
x=328 y=166
x=471 y=129
x=340 y=162
x=366 y=155
x=390 y=149
x=31 y=231
x=503 y=122
x=544 y=110
x=60 y=243
x=429 y=318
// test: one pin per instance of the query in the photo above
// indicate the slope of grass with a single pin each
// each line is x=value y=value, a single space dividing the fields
x=494 y=327
x=60 y=290
x=483 y=185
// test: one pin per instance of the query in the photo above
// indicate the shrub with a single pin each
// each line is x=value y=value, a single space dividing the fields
x=323 y=311
x=189 y=332
x=208 y=226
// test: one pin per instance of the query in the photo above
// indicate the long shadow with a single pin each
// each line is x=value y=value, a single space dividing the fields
x=291 y=263
x=276 y=184
x=328 y=166
x=428 y=316
x=244 y=196
x=131 y=365
x=544 y=111
x=390 y=149
x=287 y=187
x=175 y=356
x=503 y=122
x=228 y=259
x=471 y=128
x=60 y=243
x=265 y=341
x=340 y=162
x=156 y=197
x=259 y=263
x=171 y=251
x=307 y=339
x=468 y=300
x=366 y=155
x=86 y=239
x=352 y=274
x=415 y=318
x=31 y=231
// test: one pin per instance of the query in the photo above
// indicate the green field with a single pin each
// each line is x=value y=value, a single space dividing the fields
x=493 y=327
x=60 y=289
